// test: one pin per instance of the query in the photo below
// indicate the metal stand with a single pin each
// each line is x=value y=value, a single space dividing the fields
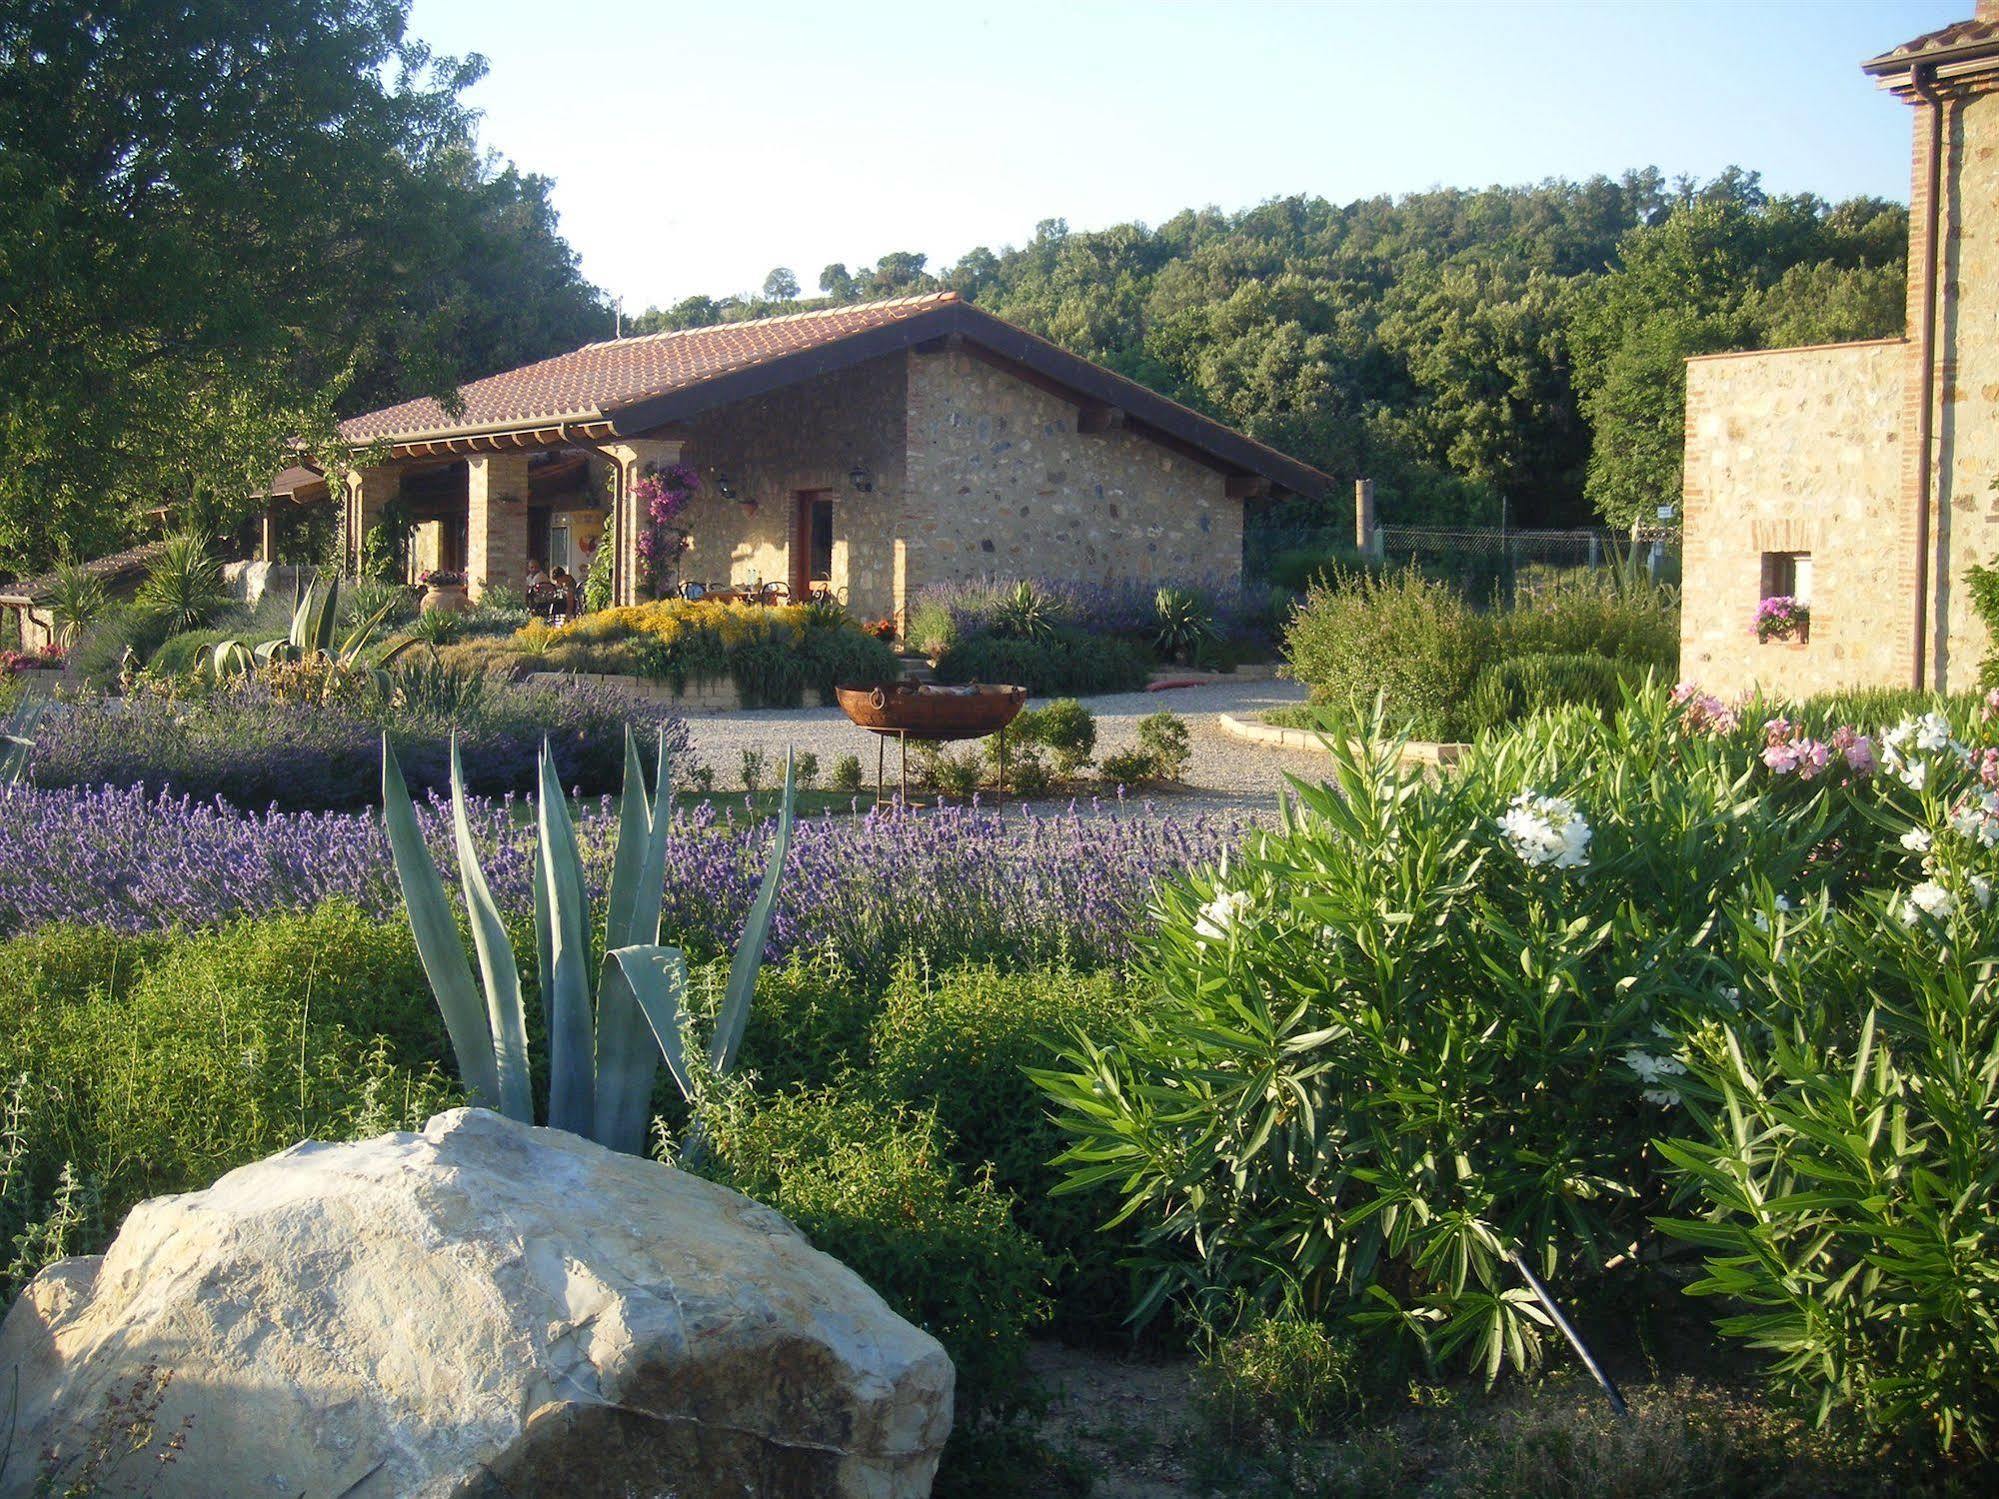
x=1575 y=1341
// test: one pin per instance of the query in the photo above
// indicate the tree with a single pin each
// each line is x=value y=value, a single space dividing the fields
x=226 y=224
x=781 y=286
x=836 y=283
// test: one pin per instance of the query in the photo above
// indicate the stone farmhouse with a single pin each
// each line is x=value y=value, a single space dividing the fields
x=1863 y=478
x=861 y=451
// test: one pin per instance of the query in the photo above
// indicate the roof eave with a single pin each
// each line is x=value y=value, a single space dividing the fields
x=1891 y=68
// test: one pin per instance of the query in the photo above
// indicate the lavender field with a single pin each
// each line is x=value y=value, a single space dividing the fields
x=958 y=881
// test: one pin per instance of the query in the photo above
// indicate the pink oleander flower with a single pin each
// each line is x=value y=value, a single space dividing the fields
x=1788 y=751
x=1990 y=710
x=1855 y=748
x=1703 y=712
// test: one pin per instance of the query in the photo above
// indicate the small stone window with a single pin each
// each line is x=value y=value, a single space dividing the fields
x=1788 y=575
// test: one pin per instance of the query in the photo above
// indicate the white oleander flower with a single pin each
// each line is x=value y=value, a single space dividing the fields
x=1927 y=899
x=1981 y=891
x=1665 y=1098
x=1546 y=830
x=1220 y=914
x=1650 y=1068
x=1932 y=732
x=1917 y=840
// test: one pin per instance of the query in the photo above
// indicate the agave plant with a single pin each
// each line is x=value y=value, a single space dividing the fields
x=315 y=617
x=15 y=744
x=604 y=1054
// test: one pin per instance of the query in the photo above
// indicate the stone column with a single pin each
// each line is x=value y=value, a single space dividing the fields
x=368 y=490
x=496 y=522
x=631 y=458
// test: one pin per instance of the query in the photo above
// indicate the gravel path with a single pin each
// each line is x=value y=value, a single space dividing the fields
x=1224 y=774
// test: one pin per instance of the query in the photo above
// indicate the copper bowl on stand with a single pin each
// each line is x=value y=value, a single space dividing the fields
x=910 y=710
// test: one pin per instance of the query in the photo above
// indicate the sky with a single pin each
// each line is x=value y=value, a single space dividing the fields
x=694 y=147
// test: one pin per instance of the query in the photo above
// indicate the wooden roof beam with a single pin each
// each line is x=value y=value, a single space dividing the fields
x=1099 y=418
x=1245 y=487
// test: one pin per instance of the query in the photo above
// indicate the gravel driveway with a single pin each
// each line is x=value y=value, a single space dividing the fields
x=1224 y=773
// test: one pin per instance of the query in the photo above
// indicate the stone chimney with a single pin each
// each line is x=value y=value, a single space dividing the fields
x=1988 y=10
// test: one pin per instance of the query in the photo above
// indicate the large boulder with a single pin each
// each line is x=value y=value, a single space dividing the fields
x=481 y=1309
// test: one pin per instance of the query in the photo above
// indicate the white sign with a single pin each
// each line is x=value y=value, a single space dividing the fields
x=1665 y=512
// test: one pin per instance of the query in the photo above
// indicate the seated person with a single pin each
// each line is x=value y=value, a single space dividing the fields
x=569 y=598
x=536 y=577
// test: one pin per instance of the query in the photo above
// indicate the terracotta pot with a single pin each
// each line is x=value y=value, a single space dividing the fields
x=448 y=598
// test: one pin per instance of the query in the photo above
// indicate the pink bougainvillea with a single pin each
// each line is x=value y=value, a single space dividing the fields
x=663 y=498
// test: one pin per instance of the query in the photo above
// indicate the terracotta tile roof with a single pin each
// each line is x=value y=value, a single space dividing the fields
x=597 y=379
x=292 y=480
x=112 y=569
x=646 y=383
x=1958 y=36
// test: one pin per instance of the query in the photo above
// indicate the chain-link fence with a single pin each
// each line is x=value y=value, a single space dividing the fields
x=1485 y=562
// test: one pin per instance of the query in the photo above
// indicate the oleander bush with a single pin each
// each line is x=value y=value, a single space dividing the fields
x=257 y=744
x=1413 y=1031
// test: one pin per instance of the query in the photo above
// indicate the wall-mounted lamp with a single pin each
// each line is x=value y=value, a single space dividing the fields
x=724 y=485
x=862 y=481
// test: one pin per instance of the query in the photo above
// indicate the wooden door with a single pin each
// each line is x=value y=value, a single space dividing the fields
x=811 y=542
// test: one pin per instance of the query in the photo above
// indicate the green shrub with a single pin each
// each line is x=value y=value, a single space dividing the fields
x=1064 y=662
x=811 y=1021
x=960 y=1042
x=1165 y=738
x=1594 y=612
x=1025 y=612
x=933 y=627
x=155 y=1064
x=1846 y=1169
x=847 y=774
x=1064 y=727
x=1129 y=767
x=1280 y=1377
x=1520 y=686
x=873 y=1186
x=1027 y=773
x=1413 y=642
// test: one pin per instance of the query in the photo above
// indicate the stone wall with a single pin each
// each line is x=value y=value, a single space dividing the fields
x=1001 y=484
x=806 y=437
x=1796 y=450
x=1967 y=395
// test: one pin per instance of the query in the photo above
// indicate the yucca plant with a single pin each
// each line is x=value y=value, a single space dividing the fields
x=604 y=1054
x=184 y=583
x=1185 y=623
x=77 y=599
x=1024 y=612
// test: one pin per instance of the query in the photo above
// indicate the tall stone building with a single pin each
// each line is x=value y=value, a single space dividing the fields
x=1863 y=478
x=859 y=452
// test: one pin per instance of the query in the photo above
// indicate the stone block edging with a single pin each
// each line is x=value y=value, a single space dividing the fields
x=1270 y=736
x=711 y=694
